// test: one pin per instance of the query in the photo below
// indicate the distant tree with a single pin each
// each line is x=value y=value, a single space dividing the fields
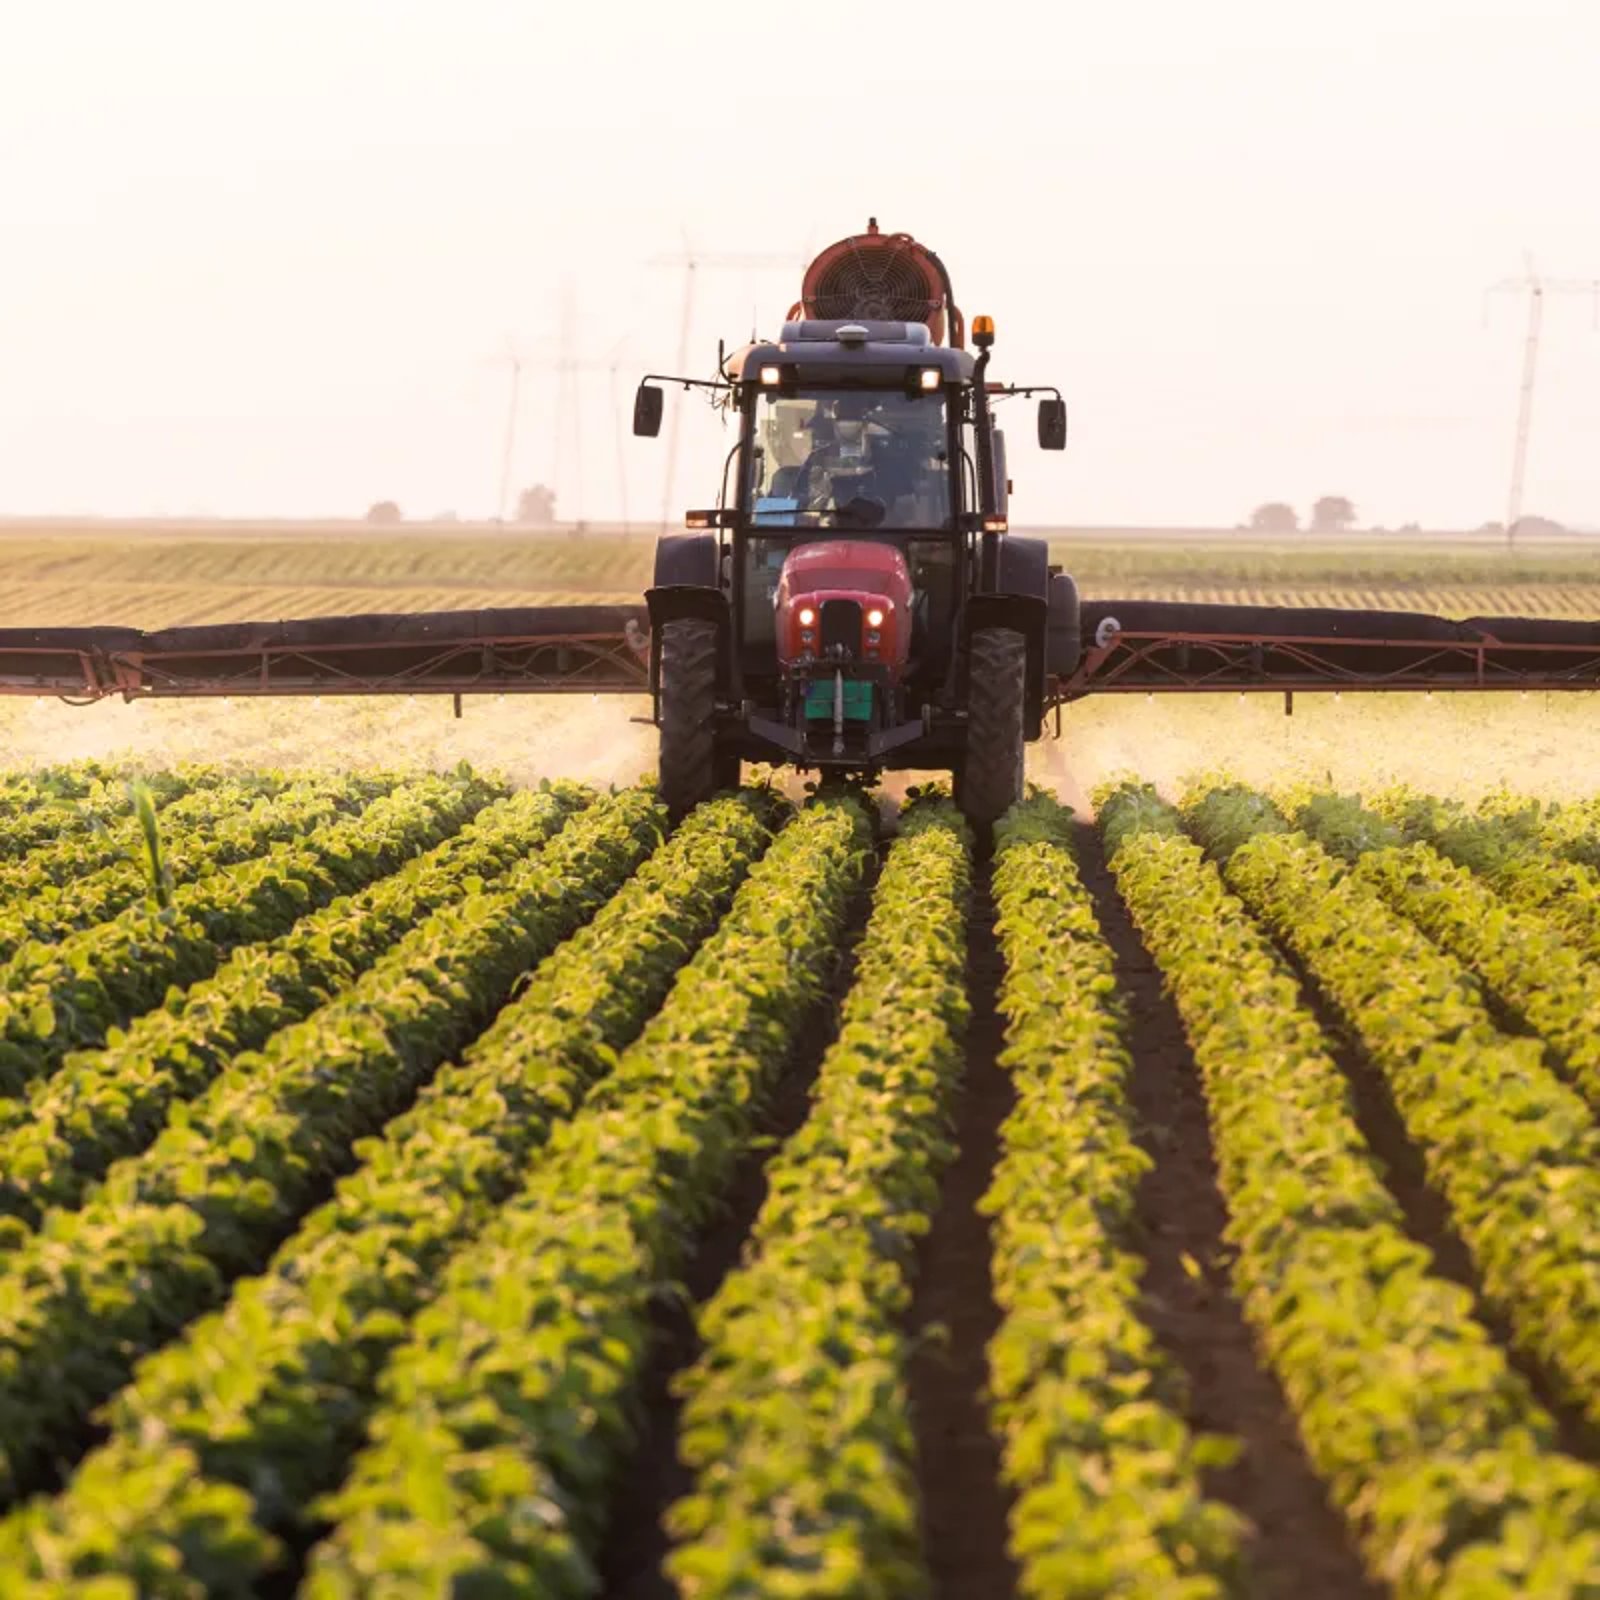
x=1409 y=527
x=1332 y=514
x=384 y=514
x=1274 y=517
x=536 y=507
x=1538 y=527
x=1496 y=528
x=445 y=516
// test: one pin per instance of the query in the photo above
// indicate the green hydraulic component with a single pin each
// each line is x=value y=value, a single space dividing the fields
x=857 y=700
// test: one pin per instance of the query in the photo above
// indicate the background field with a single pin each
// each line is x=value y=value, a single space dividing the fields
x=153 y=574
x=157 y=575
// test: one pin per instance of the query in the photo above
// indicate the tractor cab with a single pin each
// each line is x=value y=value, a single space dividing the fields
x=829 y=601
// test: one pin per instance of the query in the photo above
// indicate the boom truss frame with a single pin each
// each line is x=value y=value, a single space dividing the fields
x=1135 y=647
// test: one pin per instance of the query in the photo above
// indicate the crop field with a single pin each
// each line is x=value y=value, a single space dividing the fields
x=413 y=1184
x=153 y=576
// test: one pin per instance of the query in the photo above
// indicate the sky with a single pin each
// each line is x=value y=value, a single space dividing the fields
x=271 y=259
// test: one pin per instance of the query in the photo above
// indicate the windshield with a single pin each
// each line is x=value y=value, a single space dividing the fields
x=850 y=459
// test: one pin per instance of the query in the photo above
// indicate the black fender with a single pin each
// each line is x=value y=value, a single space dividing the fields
x=685 y=586
x=1027 y=614
x=683 y=601
x=686 y=559
x=1023 y=567
x=1064 y=637
x=1022 y=575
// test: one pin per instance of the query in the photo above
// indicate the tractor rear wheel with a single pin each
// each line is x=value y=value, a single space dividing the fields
x=990 y=781
x=688 y=766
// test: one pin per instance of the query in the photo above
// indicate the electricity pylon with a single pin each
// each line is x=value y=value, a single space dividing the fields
x=1536 y=287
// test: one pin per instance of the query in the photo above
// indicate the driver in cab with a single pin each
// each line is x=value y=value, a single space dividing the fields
x=839 y=471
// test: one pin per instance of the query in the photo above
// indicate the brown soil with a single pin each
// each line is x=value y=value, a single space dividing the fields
x=964 y=1506
x=1300 y=1550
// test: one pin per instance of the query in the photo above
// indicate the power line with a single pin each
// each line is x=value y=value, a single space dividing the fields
x=1536 y=287
x=692 y=260
x=513 y=405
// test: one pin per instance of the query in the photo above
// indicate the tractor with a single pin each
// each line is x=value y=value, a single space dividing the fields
x=855 y=600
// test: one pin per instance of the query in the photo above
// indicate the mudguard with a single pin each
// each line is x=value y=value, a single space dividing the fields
x=1027 y=614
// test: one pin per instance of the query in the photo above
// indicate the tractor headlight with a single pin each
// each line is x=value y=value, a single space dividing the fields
x=875 y=618
x=930 y=377
x=771 y=377
x=807 y=616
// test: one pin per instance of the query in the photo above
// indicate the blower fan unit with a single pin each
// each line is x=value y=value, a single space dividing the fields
x=880 y=277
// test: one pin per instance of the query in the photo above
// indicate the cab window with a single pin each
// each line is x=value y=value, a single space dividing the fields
x=857 y=458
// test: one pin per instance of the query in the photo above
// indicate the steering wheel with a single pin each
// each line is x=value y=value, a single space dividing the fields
x=864 y=510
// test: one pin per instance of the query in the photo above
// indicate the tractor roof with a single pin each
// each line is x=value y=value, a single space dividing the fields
x=820 y=355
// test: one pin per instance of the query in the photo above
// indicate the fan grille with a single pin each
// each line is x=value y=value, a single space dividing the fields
x=876 y=282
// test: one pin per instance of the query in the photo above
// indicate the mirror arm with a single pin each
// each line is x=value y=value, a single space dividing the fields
x=686 y=383
x=1025 y=389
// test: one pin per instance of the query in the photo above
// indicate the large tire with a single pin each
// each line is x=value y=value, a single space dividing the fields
x=991 y=774
x=688 y=760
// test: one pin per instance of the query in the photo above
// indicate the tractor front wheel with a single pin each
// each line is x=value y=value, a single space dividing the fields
x=990 y=780
x=688 y=765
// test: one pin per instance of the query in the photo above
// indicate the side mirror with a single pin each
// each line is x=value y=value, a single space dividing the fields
x=1052 y=424
x=647 y=404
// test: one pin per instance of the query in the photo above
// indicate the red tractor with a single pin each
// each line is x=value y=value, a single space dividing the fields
x=855 y=601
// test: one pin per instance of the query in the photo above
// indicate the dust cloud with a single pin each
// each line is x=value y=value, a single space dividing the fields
x=524 y=737
x=1463 y=745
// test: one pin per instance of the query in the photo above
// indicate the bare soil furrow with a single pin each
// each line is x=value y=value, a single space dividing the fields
x=1300 y=1550
x=964 y=1504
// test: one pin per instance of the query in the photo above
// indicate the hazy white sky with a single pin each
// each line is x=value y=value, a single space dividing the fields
x=264 y=258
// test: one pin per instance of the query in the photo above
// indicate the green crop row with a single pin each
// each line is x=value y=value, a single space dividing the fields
x=108 y=1103
x=1105 y=1472
x=225 y=828
x=507 y=1408
x=1435 y=1450
x=235 y=1428
x=1512 y=1149
x=156 y=1241
x=36 y=812
x=1520 y=956
x=1520 y=869
x=108 y=834
x=796 y=1420
x=1570 y=830
x=64 y=780
x=55 y=999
